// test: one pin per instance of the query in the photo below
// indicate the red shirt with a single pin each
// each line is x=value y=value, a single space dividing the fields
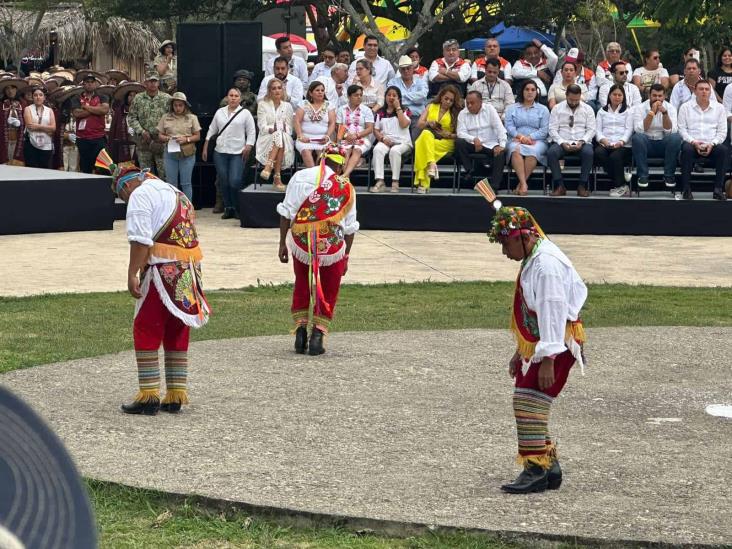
x=91 y=127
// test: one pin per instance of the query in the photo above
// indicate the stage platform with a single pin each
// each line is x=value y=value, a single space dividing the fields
x=34 y=200
x=654 y=213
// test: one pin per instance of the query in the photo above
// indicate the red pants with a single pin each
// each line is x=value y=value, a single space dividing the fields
x=330 y=280
x=154 y=325
x=562 y=365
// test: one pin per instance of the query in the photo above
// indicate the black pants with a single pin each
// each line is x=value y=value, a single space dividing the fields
x=88 y=151
x=465 y=149
x=718 y=157
x=613 y=161
x=36 y=158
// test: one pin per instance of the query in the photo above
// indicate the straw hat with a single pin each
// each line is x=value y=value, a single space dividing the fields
x=35 y=82
x=12 y=81
x=106 y=89
x=62 y=76
x=125 y=87
x=82 y=74
x=118 y=75
x=167 y=43
x=64 y=93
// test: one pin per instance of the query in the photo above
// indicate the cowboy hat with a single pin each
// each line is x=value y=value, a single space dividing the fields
x=167 y=43
x=117 y=74
x=105 y=89
x=88 y=73
x=12 y=81
x=35 y=82
x=62 y=76
x=64 y=93
x=126 y=87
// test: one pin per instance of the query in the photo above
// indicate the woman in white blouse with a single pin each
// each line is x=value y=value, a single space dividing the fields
x=314 y=123
x=355 y=125
x=275 y=147
x=373 y=91
x=614 y=129
x=392 y=135
x=40 y=125
x=233 y=146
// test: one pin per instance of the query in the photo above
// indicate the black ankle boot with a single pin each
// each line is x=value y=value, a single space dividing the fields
x=149 y=408
x=554 y=477
x=316 y=342
x=532 y=479
x=301 y=340
x=170 y=407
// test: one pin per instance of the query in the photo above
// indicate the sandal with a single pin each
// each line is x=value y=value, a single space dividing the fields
x=266 y=171
x=519 y=192
x=395 y=186
x=277 y=182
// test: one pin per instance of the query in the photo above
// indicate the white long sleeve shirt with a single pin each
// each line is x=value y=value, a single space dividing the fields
x=554 y=290
x=681 y=94
x=706 y=125
x=237 y=135
x=632 y=94
x=486 y=125
x=383 y=70
x=148 y=209
x=499 y=94
x=523 y=69
x=463 y=70
x=727 y=100
x=656 y=130
x=299 y=188
x=297 y=67
x=320 y=69
x=567 y=125
x=614 y=125
x=293 y=86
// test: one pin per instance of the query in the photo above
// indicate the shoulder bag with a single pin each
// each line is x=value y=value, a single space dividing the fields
x=214 y=137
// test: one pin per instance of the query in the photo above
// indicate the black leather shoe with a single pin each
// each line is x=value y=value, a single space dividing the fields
x=719 y=195
x=301 y=340
x=559 y=191
x=228 y=213
x=316 y=343
x=687 y=195
x=170 y=407
x=554 y=477
x=149 y=408
x=532 y=479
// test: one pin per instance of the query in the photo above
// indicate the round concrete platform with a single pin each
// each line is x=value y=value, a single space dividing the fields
x=417 y=427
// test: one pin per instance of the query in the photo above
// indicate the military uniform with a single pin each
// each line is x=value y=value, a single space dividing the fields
x=145 y=113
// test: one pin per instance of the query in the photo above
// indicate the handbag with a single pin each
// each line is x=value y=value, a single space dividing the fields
x=187 y=149
x=212 y=141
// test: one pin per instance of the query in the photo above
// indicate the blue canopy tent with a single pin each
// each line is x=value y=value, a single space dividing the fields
x=510 y=38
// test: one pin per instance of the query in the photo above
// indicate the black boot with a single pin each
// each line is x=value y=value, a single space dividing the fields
x=301 y=340
x=532 y=479
x=228 y=213
x=316 y=342
x=554 y=478
x=149 y=408
x=170 y=407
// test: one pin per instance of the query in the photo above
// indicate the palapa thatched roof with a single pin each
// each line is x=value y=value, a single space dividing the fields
x=77 y=34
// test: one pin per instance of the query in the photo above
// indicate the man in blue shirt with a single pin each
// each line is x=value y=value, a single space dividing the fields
x=414 y=90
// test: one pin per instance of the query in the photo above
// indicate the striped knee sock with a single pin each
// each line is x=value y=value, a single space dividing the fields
x=531 y=409
x=176 y=377
x=148 y=375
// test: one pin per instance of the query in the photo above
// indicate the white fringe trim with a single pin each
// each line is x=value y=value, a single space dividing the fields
x=302 y=256
x=194 y=321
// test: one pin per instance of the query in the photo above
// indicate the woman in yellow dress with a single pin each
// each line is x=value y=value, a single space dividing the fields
x=438 y=122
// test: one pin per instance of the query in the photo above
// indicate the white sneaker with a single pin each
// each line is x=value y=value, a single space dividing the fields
x=678 y=196
x=421 y=190
x=617 y=192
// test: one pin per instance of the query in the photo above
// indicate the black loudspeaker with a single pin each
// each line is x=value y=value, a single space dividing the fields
x=208 y=56
x=200 y=65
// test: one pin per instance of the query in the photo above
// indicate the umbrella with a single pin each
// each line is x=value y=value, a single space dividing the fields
x=392 y=31
x=295 y=39
x=510 y=38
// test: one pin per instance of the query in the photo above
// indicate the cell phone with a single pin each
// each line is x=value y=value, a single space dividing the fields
x=573 y=143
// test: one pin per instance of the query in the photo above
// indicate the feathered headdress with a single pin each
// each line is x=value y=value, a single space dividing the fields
x=121 y=173
x=508 y=220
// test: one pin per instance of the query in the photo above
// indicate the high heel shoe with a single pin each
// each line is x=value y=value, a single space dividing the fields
x=266 y=171
x=277 y=182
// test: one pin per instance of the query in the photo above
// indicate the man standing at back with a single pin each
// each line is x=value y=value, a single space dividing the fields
x=145 y=112
x=382 y=69
x=89 y=110
x=449 y=69
x=295 y=65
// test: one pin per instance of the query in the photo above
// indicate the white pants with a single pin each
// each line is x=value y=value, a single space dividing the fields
x=395 y=159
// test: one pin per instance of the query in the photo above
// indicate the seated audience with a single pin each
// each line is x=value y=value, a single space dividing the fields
x=439 y=122
x=328 y=56
x=614 y=129
x=345 y=57
x=413 y=89
x=292 y=84
x=355 y=126
x=538 y=62
x=684 y=89
x=420 y=71
x=373 y=90
x=451 y=69
x=583 y=76
x=571 y=129
x=619 y=74
x=314 y=124
x=721 y=75
x=654 y=124
x=275 y=149
x=603 y=72
x=558 y=91
x=492 y=51
x=495 y=92
x=676 y=73
x=381 y=68
x=296 y=66
x=480 y=132
x=392 y=137
x=652 y=72
x=703 y=127
x=527 y=126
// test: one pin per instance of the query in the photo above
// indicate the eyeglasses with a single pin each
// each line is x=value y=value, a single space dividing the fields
x=571 y=121
x=655 y=58
x=621 y=72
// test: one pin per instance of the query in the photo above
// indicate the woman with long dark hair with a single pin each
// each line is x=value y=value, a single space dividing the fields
x=721 y=75
x=392 y=135
x=40 y=125
x=614 y=129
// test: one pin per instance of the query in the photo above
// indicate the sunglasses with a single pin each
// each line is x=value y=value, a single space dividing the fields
x=621 y=72
x=571 y=121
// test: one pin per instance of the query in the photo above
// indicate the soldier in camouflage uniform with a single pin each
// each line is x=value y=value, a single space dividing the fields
x=145 y=112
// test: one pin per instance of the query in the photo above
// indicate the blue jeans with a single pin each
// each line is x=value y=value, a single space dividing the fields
x=667 y=148
x=179 y=169
x=230 y=171
x=556 y=152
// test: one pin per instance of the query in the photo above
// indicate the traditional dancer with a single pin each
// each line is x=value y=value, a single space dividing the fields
x=549 y=335
x=164 y=275
x=317 y=226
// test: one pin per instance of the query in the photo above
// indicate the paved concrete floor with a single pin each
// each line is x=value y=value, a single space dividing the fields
x=417 y=426
x=236 y=257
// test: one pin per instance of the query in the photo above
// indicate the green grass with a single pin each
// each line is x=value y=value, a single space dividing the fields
x=135 y=518
x=39 y=330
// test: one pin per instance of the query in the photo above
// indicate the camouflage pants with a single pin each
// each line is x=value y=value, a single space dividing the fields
x=149 y=159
